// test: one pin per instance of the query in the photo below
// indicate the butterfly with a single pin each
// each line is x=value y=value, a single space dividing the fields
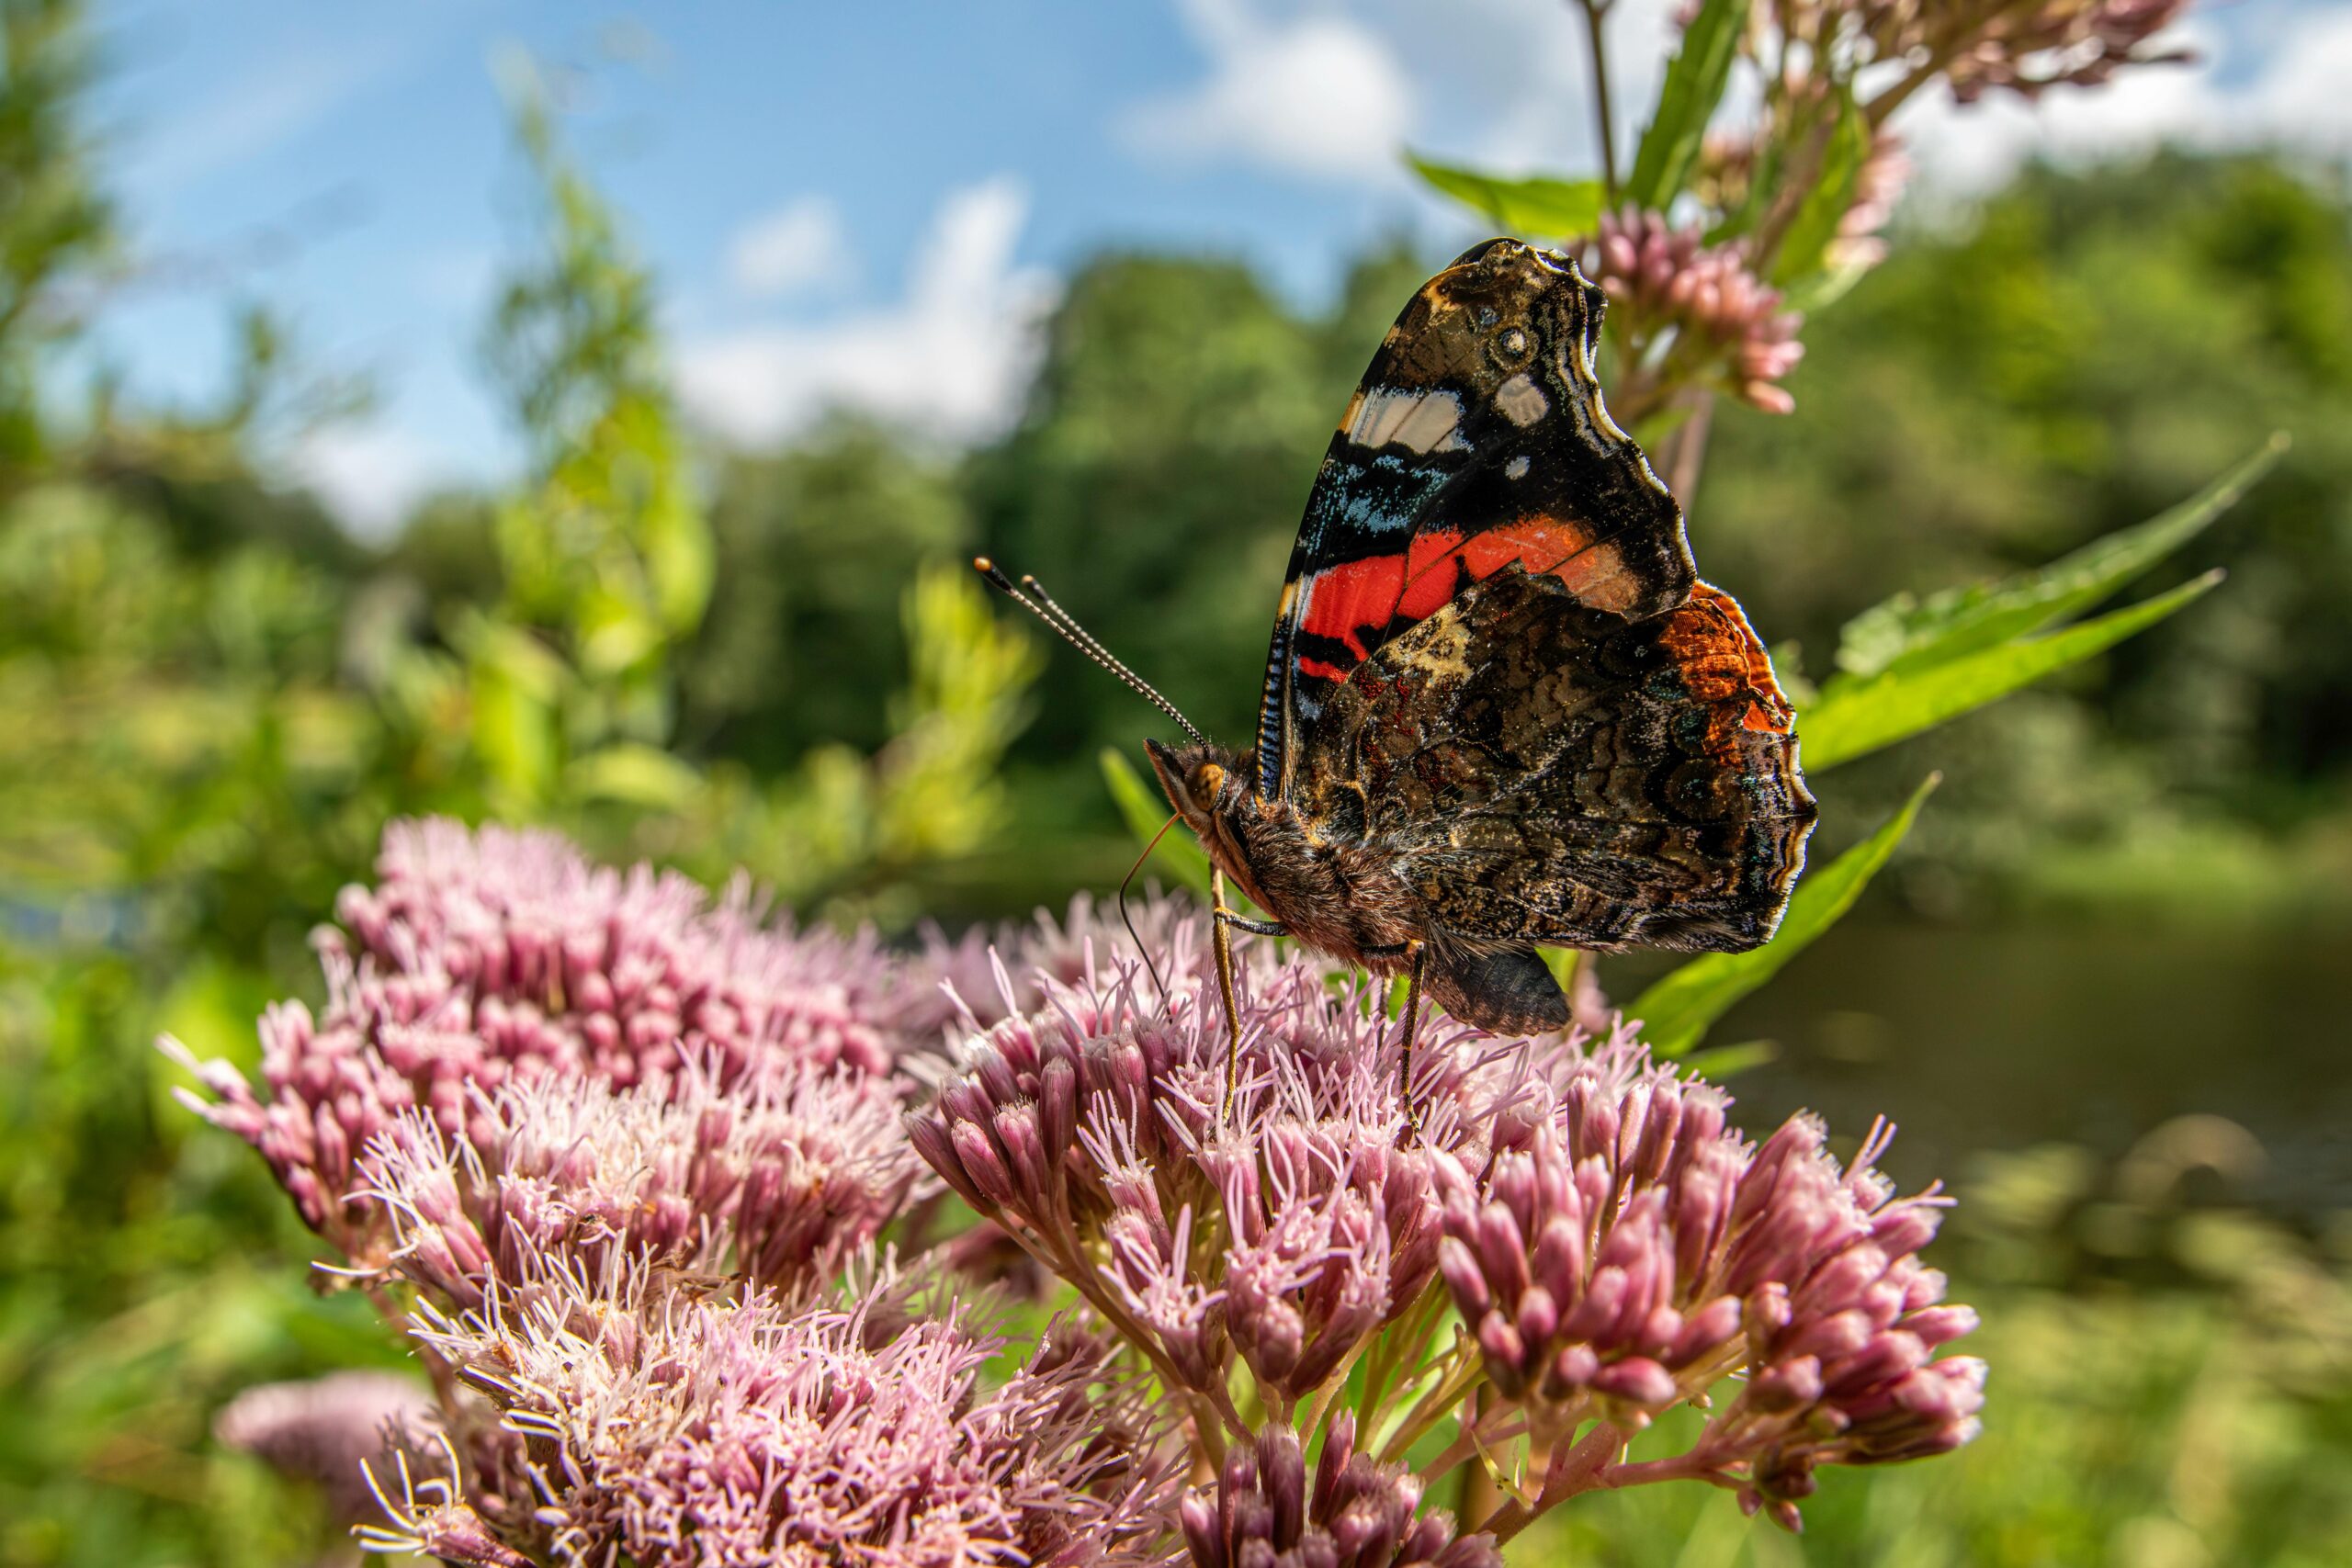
x=1501 y=712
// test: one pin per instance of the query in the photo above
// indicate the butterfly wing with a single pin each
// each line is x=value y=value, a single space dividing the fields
x=1544 y=773
x=1477 y=440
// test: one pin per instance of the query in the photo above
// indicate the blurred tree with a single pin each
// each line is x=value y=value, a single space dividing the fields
x=57 y=226
x=803 y=632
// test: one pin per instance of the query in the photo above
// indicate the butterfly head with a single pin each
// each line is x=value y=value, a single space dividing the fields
x=1202 y=782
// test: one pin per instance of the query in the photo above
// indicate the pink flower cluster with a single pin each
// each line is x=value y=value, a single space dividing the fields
x=494 y=957
x=2029 y=49
x=679 y=1428
x=776 y=1180
x=1727 y=325
x=1634 y=1250
x=1613 y=1245
x=1981 y=45
x=1358 y=1514
x=611 y=1145
x=1287 y=1228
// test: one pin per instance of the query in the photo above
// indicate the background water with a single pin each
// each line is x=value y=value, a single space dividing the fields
x=1995 y=1038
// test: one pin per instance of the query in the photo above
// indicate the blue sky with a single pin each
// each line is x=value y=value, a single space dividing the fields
x=873 y=203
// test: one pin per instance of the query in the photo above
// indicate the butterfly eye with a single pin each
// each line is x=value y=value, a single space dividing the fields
x=1206 y=782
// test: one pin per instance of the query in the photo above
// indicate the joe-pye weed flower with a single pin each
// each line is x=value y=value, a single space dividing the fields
x=646 y=1287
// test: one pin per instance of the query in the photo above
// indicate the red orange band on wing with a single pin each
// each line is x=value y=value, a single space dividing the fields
x=1346 y=601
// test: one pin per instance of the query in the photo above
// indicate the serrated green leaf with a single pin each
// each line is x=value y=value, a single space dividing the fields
x=1145 y=811
x=1902 y=634
x=1676 y=1011
x=1824 y=207
x=1853 y=718
x=1694 y=85
x=1537 y=206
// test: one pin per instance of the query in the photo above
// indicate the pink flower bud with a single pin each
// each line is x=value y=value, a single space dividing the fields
x=1638 y=1381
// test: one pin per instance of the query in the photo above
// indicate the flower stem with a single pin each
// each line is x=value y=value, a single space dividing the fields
x=1596 y=12
x=1432 y=1407
x=1573 y=1471
x=1319 y=1408
x=1401 y=1344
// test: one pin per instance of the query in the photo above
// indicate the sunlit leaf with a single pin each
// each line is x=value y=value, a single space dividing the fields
x=634 y=774
x=1146 y=811
x=1717 y=1063
x=1853 y=718
x=1826 y=288
x=1535 y=206
x=1815 y=226
x=1678 y=1010
x=1904 y=634
x=1694 y=85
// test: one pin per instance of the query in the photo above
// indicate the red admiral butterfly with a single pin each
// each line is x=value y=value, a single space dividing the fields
x=1500 y=710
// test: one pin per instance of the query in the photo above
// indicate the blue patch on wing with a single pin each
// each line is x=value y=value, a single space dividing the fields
x=1359 y=500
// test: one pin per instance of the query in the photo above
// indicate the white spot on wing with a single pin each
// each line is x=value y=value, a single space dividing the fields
x=1423 y=421
x=1517 y=468
x=1521 y=400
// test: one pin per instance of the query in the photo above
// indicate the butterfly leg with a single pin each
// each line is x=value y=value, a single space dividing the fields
x=1412 y=1028
x=1221 y=941
x=1232 y=922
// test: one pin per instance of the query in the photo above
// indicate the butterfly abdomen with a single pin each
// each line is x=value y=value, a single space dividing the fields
x=1342 y=899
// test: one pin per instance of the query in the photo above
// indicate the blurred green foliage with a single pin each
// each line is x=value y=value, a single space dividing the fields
x=215 y=698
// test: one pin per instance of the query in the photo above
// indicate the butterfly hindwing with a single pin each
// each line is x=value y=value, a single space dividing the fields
x=1478 y=440
x=1544 y=773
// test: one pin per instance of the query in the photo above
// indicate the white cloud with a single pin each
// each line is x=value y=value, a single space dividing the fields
x=369 y=475
x=1319 y=95
x=950 y=360
x=788 y=250
x=2284 y=85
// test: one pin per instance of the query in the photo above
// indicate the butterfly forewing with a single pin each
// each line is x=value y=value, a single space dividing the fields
x=1478 y=440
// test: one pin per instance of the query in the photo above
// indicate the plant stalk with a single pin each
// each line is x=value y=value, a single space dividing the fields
x=1595 y=13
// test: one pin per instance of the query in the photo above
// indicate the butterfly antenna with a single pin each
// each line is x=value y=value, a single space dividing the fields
x=1062 y=620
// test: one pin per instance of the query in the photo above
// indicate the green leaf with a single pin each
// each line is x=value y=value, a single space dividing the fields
x=1852 y=718
x=1678 y=1011
x=634 y=774
x=1717 y=1063
x=1146 y=811
x=1534 y=206
x=1825 y=205
x=1902 y=634
x=1694 y=85
x=1809 y=295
